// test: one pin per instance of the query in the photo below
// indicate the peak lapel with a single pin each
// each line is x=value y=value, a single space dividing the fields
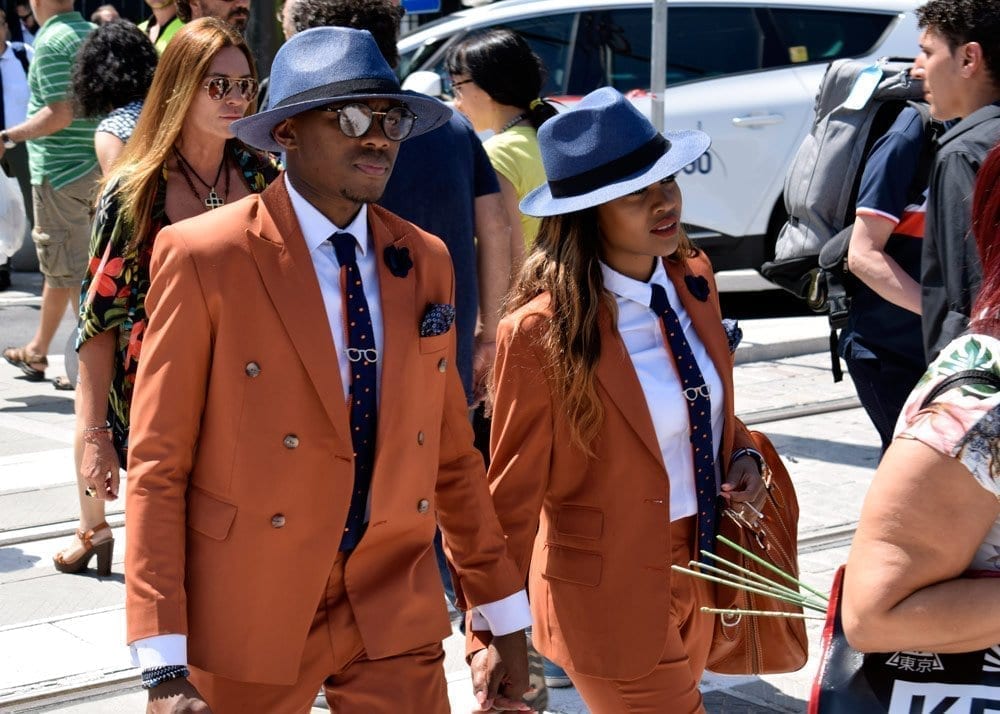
x=289 y=277
x=617 y=375
x=400 y=326
x=707 y=323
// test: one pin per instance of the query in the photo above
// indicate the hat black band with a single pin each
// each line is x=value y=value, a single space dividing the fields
x=614 y=170
x=335 y=90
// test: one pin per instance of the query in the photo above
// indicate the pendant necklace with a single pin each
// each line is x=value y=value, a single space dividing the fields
x=213 y=200
x=513 y=122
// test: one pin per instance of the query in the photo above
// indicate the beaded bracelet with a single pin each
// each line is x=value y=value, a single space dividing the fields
x=155 y=676
x=90 y=434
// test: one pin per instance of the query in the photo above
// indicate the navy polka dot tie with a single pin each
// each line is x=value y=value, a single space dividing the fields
x=699 y=405
x=362 y=356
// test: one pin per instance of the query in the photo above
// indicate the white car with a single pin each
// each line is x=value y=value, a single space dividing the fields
x=745 y=71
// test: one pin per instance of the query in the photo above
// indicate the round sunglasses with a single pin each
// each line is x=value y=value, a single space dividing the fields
x=218 y=88
x=356 y=120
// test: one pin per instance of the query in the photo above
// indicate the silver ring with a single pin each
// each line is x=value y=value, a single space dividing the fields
x=108 y=475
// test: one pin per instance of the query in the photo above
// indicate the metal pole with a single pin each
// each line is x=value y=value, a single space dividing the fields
x=658 y=64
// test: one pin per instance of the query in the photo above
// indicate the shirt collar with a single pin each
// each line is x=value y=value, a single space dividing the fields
x=317 y=228
x=631 y=289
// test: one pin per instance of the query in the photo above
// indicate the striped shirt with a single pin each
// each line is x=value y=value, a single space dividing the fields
x=67 y=155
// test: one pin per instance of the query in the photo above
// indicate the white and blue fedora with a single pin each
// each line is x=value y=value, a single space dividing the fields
x=323 y=65
x=603 y=149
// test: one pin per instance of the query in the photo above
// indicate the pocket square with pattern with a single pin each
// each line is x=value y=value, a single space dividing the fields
x=438 y=319
x=734 y=333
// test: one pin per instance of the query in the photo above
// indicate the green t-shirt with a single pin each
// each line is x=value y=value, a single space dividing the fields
x=168 y=31
x=515 y=156
x=67 y=155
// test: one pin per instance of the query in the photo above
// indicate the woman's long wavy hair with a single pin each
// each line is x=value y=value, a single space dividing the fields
x=565 y=263
x=178 y=78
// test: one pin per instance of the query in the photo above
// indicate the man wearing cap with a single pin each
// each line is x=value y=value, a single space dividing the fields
x=300 y=427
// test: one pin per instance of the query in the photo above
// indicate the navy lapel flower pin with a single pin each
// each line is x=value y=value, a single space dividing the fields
x=438 y=319
x=398 y=260
x=697 y=286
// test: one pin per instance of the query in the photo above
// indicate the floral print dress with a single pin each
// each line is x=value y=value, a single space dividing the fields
x=963 y=422
x=113 y=294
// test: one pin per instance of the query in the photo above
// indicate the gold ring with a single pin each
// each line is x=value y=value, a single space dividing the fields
x=91 y=491
x=108 y=475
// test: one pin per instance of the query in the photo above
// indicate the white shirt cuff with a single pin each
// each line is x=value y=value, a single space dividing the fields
x=503 y=616
x=159 y=651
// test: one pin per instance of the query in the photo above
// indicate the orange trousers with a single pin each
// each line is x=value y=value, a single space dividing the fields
x=334 y=658
x=672 y=685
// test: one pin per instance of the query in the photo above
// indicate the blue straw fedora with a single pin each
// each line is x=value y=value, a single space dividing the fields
x=603 y=149
x=323 y=65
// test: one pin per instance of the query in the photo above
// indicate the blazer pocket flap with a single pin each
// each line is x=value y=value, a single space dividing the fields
x=434 y=343
x=572 y=565
x=208 y=515
x=580 y=522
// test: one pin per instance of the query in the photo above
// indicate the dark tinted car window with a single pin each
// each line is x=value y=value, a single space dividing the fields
x=550 y=38
x=613 y=46
x=823 y=35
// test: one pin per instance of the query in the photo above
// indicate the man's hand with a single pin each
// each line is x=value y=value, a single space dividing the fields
x=176 y=696
x=482 y=367
x=500 y=673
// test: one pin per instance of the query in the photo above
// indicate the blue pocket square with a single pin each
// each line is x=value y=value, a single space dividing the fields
x=734 y=333
x=437 y=320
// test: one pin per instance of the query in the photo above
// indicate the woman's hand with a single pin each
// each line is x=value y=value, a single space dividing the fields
x=100 y=466
x=743 y=482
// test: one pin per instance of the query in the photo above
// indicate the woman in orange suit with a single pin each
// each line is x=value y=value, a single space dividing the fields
x=614 y=442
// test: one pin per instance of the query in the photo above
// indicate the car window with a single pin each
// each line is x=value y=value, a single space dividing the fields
x=548 y=36
x=411 y=61
x=823 y=35
x=613 y=46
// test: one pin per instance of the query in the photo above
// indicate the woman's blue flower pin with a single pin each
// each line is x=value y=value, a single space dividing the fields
x=697 y=286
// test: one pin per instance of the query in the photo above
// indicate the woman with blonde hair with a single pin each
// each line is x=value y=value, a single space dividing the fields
x=181 y=160
x=614 y=435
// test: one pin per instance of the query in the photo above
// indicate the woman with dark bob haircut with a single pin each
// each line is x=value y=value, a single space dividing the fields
x=496 y=79
x=114 y=68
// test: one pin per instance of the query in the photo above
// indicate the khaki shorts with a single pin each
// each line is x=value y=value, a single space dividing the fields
x=62 y=229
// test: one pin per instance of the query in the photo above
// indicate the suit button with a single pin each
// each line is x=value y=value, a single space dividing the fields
x=420 y=438
x=278 y=520
x=443 y=365
x=252 y=369
x=291 y=441
x=423 y=505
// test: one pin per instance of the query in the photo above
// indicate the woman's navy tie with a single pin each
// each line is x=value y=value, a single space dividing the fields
x=699 y=405
x=362 y=357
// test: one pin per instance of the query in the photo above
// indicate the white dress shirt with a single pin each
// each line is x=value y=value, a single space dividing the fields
x=501 y=617
x=15 y=86
x=654 y=366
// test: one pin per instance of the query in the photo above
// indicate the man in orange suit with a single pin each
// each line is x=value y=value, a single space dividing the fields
x=299 y=423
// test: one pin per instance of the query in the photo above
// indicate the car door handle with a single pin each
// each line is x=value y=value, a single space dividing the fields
x=755 y=120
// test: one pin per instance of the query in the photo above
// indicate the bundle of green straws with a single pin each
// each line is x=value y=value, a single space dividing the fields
x=740 y=578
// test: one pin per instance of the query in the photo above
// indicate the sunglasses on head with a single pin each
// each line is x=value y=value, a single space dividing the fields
x=218 y=88
x=356 y=120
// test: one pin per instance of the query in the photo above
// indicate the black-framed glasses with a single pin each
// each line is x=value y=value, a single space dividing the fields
x=218 y=88
x=455 y=86
x=356 y=120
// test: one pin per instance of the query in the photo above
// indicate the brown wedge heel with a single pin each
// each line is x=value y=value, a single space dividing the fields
x=103 y=550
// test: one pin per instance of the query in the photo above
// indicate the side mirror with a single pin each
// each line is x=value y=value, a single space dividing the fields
x=424 y=82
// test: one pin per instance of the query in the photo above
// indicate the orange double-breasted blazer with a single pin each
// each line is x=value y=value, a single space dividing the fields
x=592 y=533
x=241 y=464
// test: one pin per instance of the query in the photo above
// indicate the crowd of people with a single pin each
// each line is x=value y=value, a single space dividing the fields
x=339 y=335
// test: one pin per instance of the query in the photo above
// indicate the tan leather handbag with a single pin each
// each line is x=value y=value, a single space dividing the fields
x=744 y=644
